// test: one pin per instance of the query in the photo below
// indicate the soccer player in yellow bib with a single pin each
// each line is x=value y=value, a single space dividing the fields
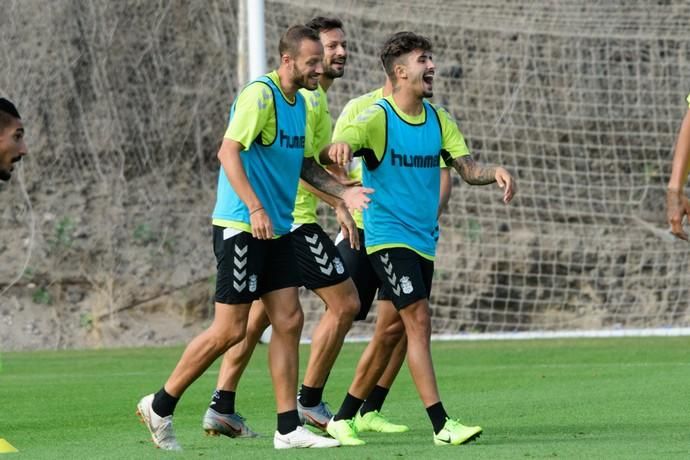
x=401 y=139
x=266 y=149
x=12 y=145
x=677 y=205
x=390 y=332
x=321 y=270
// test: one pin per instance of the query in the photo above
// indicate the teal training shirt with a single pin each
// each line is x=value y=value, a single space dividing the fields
x=273 y=169
x=407 y=181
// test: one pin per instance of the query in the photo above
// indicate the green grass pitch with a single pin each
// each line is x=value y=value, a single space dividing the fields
x=592 y=399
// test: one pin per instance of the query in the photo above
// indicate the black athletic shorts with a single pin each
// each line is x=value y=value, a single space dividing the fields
x=249 y=268
x=361 y=271
x=320 y=263
x=405 y=275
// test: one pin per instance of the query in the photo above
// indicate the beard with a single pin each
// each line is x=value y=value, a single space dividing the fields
x=301 y=79
x=331 y=73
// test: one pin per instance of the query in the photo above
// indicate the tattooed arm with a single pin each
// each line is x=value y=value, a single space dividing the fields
x=314 y=175
x=477 y=174
x=474 y=173
x=317 y=177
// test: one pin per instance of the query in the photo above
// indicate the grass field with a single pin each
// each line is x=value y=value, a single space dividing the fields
x=603 y=398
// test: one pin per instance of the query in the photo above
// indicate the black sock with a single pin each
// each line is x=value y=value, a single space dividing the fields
x=223 y=402
x=375 y=400
x=349 y=408
x=438 y=416
x=163 y=403
x=310 y=396
x=288 y=421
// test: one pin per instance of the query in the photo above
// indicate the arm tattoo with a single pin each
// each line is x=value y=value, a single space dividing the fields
x=320 y=179
x=474 y=173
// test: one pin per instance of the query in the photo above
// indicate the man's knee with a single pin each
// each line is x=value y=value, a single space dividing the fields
x=344 y=305
x=221 y=341
x=392 y=333
x=257 y=326
x=349 y=306
x=416 y=318
x=289 y=323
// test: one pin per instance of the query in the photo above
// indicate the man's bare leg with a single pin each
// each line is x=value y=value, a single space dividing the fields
x=389 y=327
x=220 y=417
x=285 y=313
x=237 y=357
x=369 y=417
x=394 y=364
x=370 y=368
x=377 y=355
x=156 y=410
x=228 y=328
x=417 y=320
x=342 y=304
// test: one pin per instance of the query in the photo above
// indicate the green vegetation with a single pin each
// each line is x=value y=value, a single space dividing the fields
x=62 y=234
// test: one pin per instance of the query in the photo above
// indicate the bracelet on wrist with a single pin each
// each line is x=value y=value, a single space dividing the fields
x=256 y=210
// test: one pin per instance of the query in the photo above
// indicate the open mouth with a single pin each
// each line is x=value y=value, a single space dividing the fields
x=16 y=159
x=428 y=78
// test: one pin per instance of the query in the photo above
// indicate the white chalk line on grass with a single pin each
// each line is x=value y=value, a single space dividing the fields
x=532 y=335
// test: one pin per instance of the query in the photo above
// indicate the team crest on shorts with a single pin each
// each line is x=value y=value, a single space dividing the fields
x=252 y=283
x=406 y=284
x=338 y=265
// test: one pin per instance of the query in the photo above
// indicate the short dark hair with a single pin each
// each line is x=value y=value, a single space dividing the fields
x=292 y=38
x=399 y=44
x=322 y=24
x=7 y=112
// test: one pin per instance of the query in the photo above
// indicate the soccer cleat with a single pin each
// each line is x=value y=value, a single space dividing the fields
x=161 y=428
x=455 y=433
x=317 y=416
x=231 y=425
x=345 y=432
x=374 y=421
x=302 y=438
